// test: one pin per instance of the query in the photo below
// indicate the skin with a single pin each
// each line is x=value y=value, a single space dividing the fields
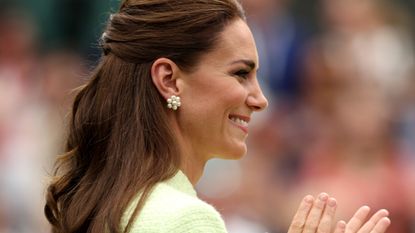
x=224 y=86
x=317 y=215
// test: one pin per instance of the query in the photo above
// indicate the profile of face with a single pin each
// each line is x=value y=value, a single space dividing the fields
x=219 y=96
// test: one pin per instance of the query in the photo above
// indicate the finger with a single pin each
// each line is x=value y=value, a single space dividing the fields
x=327 y=219
x=369 y=225
x=357 y=220
x=313 y=218
x=340 y=227
x=382 y=225
x=300 y=217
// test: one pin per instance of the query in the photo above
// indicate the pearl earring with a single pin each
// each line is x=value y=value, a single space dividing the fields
x=173 y=102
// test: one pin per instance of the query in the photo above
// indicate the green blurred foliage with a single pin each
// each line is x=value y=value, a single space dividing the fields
x=65 y=24
x=78 y=24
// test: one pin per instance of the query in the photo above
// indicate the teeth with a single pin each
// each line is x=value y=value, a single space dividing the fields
x=239 y=121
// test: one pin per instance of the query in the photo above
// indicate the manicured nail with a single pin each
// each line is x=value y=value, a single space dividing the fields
x=366 y=208
x=386 y=220
x=323 y=196
x=309 y=199
x=385 y=212
x=341 y=224
x=332 y=202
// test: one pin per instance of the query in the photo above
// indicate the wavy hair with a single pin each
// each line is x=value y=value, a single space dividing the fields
x=120 y=143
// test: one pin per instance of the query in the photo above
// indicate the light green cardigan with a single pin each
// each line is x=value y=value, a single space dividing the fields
x=173 y=207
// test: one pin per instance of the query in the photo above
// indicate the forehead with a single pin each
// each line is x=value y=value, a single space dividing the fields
x=235 y=43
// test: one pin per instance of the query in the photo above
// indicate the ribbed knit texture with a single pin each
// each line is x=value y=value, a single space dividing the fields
x=174 y=207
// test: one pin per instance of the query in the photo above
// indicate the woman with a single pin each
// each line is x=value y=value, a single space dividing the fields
x=176 y=87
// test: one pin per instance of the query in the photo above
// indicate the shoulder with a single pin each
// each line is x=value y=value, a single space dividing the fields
x=197 y=217
x=169 y=210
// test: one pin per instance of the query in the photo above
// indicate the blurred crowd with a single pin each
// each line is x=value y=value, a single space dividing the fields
x=341 y=117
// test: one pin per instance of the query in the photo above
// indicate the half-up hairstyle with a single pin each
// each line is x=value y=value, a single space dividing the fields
x=119 y=143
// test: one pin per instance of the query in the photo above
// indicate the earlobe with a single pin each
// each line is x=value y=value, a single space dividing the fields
x=164 y=75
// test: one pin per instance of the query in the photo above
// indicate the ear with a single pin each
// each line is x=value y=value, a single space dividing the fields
x=164 y=74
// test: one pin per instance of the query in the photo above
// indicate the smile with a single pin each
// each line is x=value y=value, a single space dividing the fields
x=240 y=121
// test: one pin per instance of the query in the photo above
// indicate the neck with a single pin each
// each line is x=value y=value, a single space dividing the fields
x=192 y=161
x=192 y=164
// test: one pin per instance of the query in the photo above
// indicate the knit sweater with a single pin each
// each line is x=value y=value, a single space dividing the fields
x=173 y=207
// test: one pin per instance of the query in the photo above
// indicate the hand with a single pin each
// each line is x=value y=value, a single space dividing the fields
x=378 y=223
x=317 y=215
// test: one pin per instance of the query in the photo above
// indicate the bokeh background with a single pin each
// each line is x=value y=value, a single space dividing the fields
x=339 y=75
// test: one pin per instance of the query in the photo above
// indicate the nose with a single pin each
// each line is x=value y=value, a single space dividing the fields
x=256 y=99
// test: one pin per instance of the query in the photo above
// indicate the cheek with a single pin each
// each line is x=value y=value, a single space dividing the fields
x=234 y=96
x=210 y=100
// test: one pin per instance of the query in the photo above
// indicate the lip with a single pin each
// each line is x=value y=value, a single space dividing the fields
x=242 y=117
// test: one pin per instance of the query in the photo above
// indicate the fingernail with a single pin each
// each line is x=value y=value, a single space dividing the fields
x=332 y=202
x=341 y=224
x=323 y=196
x=309 y=199
x=366 y=208
x=386 y=220
x=386 y=212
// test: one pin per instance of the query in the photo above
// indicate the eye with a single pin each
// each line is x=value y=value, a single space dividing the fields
x=242 y=73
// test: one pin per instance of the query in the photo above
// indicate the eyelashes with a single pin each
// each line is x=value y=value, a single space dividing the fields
x=242 y=73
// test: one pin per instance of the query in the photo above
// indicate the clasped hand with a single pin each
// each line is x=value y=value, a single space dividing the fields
x=317 y=215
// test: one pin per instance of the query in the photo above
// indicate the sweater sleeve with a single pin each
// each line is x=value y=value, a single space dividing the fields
x=198 y=219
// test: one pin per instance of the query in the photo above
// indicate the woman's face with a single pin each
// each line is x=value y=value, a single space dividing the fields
x=220 y=95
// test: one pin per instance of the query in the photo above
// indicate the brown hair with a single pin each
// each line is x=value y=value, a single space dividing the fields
x=119 y=142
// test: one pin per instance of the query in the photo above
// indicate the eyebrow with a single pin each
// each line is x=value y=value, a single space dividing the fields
x=249 y=63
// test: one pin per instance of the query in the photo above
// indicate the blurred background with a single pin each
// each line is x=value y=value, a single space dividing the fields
x=339 y=75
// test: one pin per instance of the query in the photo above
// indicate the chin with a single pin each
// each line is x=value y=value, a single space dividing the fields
x=235 y=154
